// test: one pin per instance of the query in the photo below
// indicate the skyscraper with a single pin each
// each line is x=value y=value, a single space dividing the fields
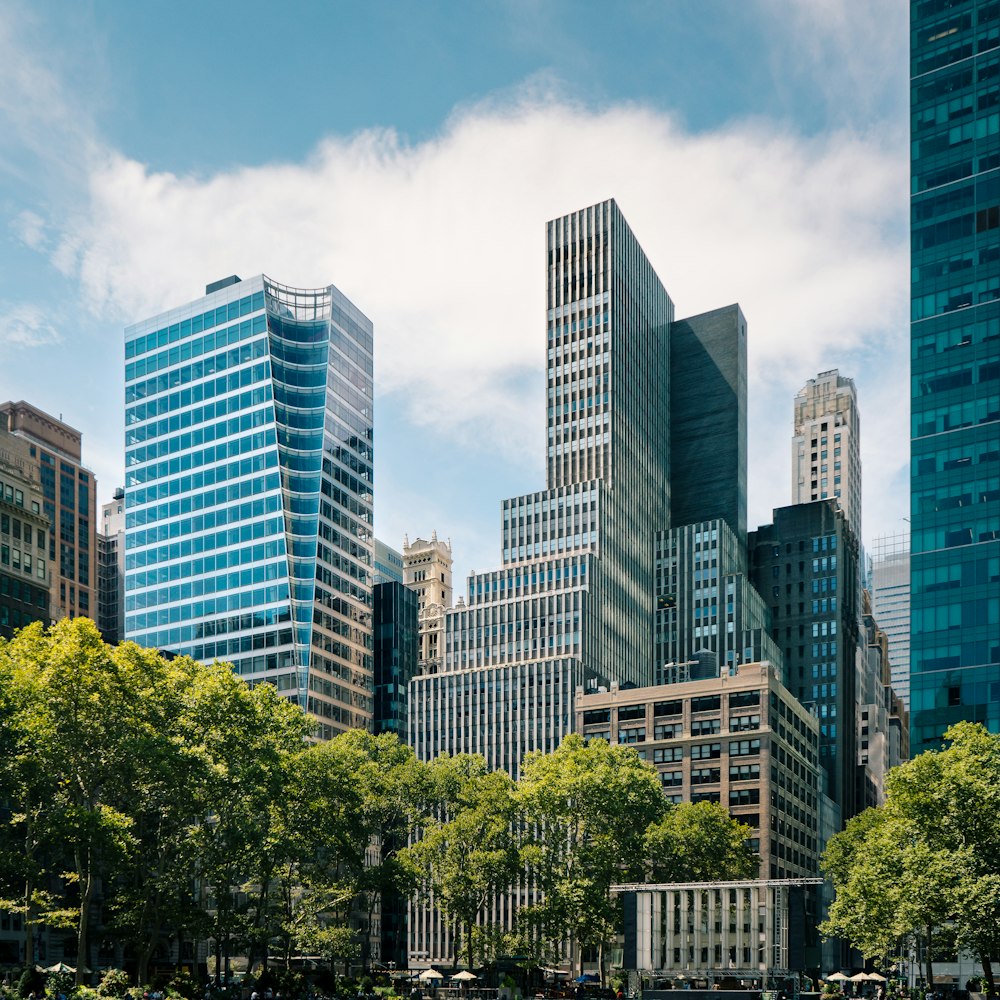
x=826 y=445
x=70 y=504
x=890 y=590
x=955 y=353
x=574 y=595
x=248 y=494
x=111 y=568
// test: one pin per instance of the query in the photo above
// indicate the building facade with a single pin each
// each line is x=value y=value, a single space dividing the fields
x=111 y=568
x=248 y=493
x=741 y=740
x=388 y=564
x=25 y=530
x=709 y=617
x=70 y=504
x=427 y=572
x=826 y=444
x=955 y=367
x=890 y=594
x=708 y=420
x=805 y=566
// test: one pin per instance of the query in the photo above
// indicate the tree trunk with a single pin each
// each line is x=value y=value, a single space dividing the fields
x=145 y=954
x=86 y=892
x=29 y=925
x=468 y=944
x=930 y=958
x=991 y=988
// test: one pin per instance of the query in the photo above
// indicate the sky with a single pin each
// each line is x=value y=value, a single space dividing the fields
x=411 y=154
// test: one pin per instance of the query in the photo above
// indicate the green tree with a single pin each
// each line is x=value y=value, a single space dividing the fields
x=927 y=863
x=699 y=842
x=467 y=855
x=586 y=809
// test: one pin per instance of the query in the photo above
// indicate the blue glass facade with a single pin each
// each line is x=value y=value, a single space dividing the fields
x=955 y=339
x=249 y=490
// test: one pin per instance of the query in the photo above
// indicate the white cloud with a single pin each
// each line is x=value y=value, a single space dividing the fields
x=441 y=243
x=24 y=325
x=30 y=229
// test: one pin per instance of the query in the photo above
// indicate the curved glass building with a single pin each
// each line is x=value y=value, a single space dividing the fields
x=248 y=451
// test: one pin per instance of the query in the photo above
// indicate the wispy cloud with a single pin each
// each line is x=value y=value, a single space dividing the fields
x=441 y=242
x=24 y=325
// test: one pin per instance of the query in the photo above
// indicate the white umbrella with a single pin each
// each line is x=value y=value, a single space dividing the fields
x=465 y=976
x=430 y=974
x=874 y=977
x=860 y=977
x=836 y=977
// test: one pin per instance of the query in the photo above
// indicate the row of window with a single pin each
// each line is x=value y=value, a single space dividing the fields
x=16 y=559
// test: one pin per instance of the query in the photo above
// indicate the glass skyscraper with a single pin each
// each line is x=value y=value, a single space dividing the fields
x=248 y=496
x=955 y=340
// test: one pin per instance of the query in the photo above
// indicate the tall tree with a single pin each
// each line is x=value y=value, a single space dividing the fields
x=586 y=809
x=697 y=842
x=467 y=855
x=926 y=863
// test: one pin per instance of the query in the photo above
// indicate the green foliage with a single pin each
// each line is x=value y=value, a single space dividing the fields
x=586 y=809
x=926 y=864
x=114 y=983
x=699 y=842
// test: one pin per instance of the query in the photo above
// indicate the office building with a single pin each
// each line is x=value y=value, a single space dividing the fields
x=826 y=445
x=395 y=649
x=709 y=617
x=388 y=567
x=248 y=493
x=890 y=595
x=708 y=420
x=955 y=359
x=70 y=504
x=111 y=568
x=574 y=594
x=805 y=566
x=741 y=740
x=427 y=571
x=25 y=530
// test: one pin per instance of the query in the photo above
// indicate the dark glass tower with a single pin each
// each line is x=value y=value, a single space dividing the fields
x=955 y=341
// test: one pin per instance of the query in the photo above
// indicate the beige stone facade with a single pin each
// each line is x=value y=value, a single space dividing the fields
x=741 y=740
x=427 y=568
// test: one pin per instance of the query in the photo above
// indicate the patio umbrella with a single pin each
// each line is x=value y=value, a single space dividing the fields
x=465 y=976
x=874 y=977
x=836 y=977
x=860 y=977
x=60 y=967
x=430 y=974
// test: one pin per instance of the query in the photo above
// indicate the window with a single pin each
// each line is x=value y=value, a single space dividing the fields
x=707 y=703
x=744 y=797
x=596 y=715
x=666 y=708
x=706 y=727
x=744 y=772
x=744 y=748
x=637 y=734
x=628 y=713
x=666 y=731
x=707 y=751
x=741 y=723
x=744 y=699
x=668 y=755
x=705 y=775
x=671 y=779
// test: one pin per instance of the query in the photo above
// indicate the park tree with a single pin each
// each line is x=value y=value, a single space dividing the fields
x=586 y=808
x=926 y=864
x=466 y=855
x=699 y=842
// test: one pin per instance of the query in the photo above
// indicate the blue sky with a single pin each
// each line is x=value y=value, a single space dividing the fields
x=411 y=153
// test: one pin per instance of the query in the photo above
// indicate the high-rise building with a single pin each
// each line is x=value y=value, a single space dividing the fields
x=955 y=358
x=574 y=595
x=826 y=445
x=890 y=591
x=248 y=493
x=708 y=420
x=709 y=617
x=741 y=740
x=111 y=568
x=427 y=572
x=25 y=530
x=388 y=564
x=70 y=505
x=805 y=566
